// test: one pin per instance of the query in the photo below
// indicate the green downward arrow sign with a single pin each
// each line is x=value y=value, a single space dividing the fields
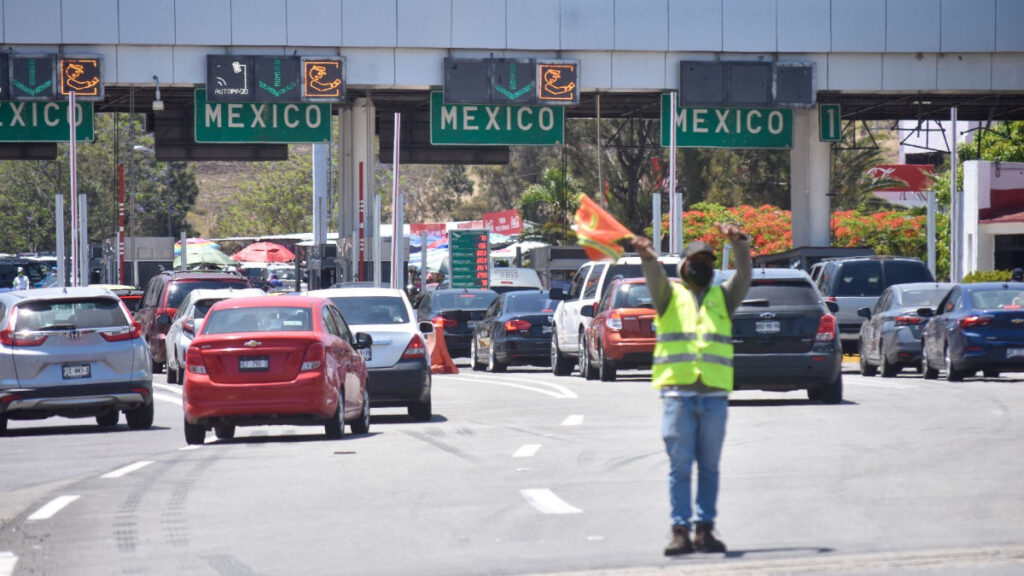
x=511 y=93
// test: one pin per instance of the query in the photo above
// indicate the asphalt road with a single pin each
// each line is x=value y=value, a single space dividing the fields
x=526 y=473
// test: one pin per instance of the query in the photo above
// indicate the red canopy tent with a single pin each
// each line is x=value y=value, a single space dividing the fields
x=264 y=252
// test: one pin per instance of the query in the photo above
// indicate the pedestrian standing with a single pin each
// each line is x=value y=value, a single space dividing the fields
x=21 y=280
x=692 y=369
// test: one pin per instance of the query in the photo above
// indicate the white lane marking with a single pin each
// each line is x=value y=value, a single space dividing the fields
x=191 y=447
x=168 y=398
x=52 y=507
x=168 y=388
x=559 y=391
x=526 y=451
x=127 y=469
x=547 y=502
x=7 y=562
x=888 y=383
x=574 y=420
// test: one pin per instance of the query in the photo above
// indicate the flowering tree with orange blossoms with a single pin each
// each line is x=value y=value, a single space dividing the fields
x=770 y=229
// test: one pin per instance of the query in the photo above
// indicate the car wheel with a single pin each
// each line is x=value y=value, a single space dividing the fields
x=815 y=394
x=3 y=425
x=421 y=412
x=172 y=375
x=474 y=357
x=927 y=371
x=606 y=367
x=952 y=374
x=990 y=373
x=224 y=431
x=158 y=367
x=335 y=427
x=194 y=433
x=587 y=370
x=108 y=418
x=560 y=364
x=362 y=425
x=888 y=370
x=140 y=418
x=865 y=368
x=493 y=364
x=832 y=393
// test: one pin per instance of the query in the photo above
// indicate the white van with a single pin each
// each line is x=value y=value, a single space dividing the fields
x=509 y=279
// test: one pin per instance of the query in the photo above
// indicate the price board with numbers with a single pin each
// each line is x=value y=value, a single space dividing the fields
x=470 y=258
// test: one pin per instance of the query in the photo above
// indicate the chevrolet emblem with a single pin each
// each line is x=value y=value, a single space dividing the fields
x=1017 y=320
x=253 y=343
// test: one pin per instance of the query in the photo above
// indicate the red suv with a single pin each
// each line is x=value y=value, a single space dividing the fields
x=160 y=301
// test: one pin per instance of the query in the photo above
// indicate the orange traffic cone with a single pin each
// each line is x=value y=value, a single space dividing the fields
x=440 y=360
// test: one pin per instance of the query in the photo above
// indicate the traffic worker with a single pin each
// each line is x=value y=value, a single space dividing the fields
x=21 y=280
x=692 y=369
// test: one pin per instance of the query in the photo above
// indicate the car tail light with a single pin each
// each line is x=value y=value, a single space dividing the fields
x=516 y=325
x=442 y=322
x=10 y=337
x=415 y=350
x=194 y=361
x=826 y=329
x=975 y=321
x=126 y=333
x=9 y=398
x=908 y=320
x=614 y=321
x=314 y=357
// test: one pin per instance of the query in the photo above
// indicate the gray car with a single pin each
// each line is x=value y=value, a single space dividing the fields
x=890 y=339
x=72 y=352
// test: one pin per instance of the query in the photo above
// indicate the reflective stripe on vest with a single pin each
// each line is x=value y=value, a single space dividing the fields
x=694 y=343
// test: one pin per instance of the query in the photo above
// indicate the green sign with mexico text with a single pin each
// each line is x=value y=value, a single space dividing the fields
x=727 y=127
x=261 y=122
x=494 y=124
x=44 y=121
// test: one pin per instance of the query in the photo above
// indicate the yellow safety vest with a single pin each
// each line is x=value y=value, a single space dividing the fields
x=694 y=343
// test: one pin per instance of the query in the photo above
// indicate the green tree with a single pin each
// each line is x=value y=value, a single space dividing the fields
x=852 y=186
x=278 y=200
x=553 y=203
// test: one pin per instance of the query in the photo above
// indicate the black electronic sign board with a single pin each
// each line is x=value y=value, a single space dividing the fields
x=467 y=81
x=470 y=258
x=323 y=79
x=81 y=75
x=558 y=82
x=5 y=78
x=278 y=78
x=33 y=77
x=229 y=78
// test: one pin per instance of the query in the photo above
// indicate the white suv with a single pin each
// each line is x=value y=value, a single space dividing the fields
x=586 y=288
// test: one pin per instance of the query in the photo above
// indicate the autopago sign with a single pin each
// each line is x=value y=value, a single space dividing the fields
x=727 y=127
x=44 y=121
x=494 y=124
x=261 y=122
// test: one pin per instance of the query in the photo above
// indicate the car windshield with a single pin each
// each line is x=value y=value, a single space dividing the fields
x=929 y=297
x=530 y=302
x=178 y=290
x=202 y=307
x=372 y=309
x=477 y=300
x=782 y=293
x=998 y=299
x=71 y=314
x=634 y=296
x=261 y=319
x=860 y=279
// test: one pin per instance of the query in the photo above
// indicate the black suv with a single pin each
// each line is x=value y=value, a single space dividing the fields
x=160 y=301
x=857 y=282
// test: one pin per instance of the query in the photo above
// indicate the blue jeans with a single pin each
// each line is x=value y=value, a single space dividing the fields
x=693 y=428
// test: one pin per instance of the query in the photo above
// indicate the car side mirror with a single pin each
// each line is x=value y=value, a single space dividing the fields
x=163 y=320
x=588 y=311
x=189 y=326
x=833 y=307
x=363 y=340
x=556 y=294
x=864 y=312
x=925 y=312
x=427 y=327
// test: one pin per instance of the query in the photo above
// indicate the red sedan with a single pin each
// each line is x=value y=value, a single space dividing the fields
x=275 y=360
x=621 y=333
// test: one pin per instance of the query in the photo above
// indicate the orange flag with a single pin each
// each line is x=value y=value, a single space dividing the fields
x=598 y=232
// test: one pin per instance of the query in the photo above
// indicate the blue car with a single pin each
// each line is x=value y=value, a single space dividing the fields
x=975 y=327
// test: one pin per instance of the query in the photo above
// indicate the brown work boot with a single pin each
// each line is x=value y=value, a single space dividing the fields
x=680 y=543
x=704 y=539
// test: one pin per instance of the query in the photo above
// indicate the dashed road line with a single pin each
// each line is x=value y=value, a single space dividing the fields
x=168 y=388
x=167 y=398
x=526 y=451
x=548 y=502
x=573 y=420
x=7 y=562
x=127 y=469
x=555 y=391
x=50 y=509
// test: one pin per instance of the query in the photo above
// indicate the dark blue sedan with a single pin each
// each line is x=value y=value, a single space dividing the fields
x=515 y=329
x=976 y=327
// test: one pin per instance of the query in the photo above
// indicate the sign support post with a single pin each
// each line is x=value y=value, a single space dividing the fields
x=675 y=223
x=396 y=211
x=72 y=152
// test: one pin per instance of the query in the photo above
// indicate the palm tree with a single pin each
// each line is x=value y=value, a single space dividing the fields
x=552 y=202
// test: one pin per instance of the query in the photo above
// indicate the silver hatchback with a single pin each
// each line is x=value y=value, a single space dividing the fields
x=72 y=352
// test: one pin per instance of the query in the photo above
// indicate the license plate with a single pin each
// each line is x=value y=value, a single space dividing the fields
x=471 y=323
x=545 y=329
x=767 y=326
x=253 y=364
x=366 y=353
x=1015 y=352
x=75 y=371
